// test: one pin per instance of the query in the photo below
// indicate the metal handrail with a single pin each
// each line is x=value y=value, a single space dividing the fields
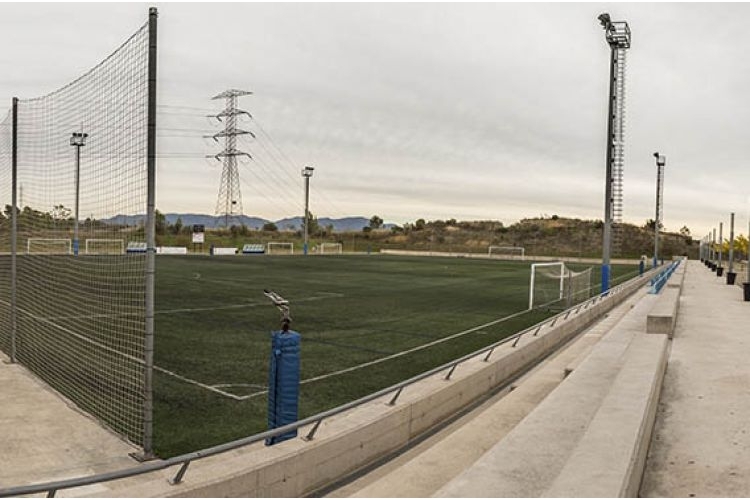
x=184 y=460
x=658 y=282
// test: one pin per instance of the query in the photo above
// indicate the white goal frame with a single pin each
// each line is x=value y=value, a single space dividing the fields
x=534 y=267
x=283 y=244
x=519 y=251
x=67 y=241
x=103 y=240
x=338 y=246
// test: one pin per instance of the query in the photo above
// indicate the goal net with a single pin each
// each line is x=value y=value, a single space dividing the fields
x=331 y=248
x=555 y=285
x=506 y=252
x=51 y=246
x=82 y=182
x=280 y=248
x=96 y=246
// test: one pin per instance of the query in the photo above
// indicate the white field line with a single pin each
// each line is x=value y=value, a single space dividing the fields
x=398 y=354
x=216 y=388
x=327 y=295
x=240 y=385
x=196 y=383
x=120 y=353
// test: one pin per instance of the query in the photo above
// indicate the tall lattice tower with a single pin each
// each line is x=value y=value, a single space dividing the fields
x=617 y=34
x=229 y=203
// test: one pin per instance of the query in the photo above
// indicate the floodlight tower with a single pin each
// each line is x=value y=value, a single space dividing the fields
x=661 y=161
x=307 y=172
x=229 y=203
x=617 y=34
x=77 y=140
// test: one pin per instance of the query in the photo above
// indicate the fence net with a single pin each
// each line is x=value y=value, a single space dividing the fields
x=82 y=177
x=5 y=222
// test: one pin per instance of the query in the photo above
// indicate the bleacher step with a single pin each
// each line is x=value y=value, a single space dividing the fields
x=529 y=459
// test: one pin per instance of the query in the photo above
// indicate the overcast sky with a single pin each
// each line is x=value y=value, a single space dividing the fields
x=478 y=111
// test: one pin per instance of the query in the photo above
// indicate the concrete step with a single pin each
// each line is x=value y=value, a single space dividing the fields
x=609 y=459
x=529 y=459
x=449 y=454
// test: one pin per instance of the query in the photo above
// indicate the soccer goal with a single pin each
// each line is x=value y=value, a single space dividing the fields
x=330 y=248
x=97 y=246
x=553 y=284
x=507 y=252
x=51 y=246
x=280 y=247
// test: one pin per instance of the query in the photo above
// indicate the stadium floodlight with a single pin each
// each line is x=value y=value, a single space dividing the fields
x=77 y=140
x=617 y=34
x=307 y=172
x=661 y=161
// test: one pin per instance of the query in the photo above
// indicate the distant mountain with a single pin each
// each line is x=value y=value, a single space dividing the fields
x=210 y=221
x=213 y=221
x=339 y=225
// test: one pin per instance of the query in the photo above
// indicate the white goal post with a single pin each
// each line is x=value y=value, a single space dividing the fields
x=55 y=246
x=510 y=252
x=99 y=246
x=280 y=247
x=554 y=282
x=330 y=248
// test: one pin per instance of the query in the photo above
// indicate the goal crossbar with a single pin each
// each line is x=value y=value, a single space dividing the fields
x=271 y=245
x=559 y=266
x=49 y=245
x=111 y=246
x=510 y=251
x=337 y=247
x=562 y=283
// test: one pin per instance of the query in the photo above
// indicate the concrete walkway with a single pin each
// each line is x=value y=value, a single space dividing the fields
x=43 y=438
x=701 y=441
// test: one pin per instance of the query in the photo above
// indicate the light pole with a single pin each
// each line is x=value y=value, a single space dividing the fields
x=720 y=268
x=307 y=172
x=730 y=272
x=77 y=140
x=713 y=245
x=617 y=34
x=661 y=160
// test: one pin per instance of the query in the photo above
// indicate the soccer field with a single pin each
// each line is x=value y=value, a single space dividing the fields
x=357 y=315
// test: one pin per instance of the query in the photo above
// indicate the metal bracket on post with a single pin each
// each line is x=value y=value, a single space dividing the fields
x=142 y=456
x=311 y=434
x=450 y=372
x=283 y=305
x=177 y=479
x=392 y=402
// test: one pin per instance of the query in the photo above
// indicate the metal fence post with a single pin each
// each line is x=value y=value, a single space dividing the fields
x=148 y=351
x=14 y=232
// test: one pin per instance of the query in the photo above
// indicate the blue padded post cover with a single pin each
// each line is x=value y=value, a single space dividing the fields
x=283 y=383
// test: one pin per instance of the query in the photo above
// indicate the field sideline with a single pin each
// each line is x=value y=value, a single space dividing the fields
x=358 y=315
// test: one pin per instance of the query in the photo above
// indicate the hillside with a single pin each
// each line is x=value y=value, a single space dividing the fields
x=539 y=236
